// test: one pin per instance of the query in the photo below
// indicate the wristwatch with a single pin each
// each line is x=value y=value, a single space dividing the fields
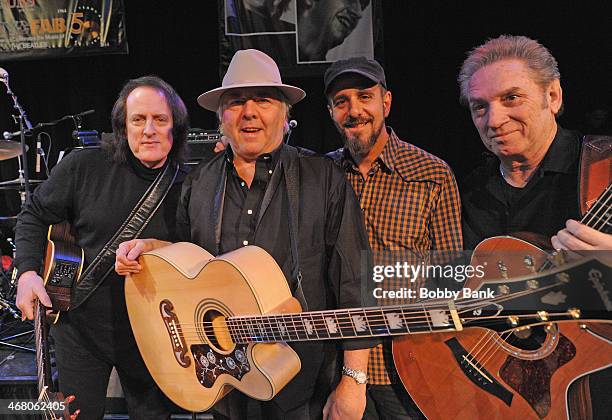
x=358 y=375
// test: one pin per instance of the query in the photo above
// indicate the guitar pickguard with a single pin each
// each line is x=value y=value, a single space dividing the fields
x=211 y=364
x=531 y=378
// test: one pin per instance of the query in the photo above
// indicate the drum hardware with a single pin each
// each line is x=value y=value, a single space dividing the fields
x=9 y=149
x=24 y=123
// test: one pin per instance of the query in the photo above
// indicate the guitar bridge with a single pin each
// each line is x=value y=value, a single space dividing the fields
x=477 y=373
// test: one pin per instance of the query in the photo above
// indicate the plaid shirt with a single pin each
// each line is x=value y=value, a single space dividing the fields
x=410 y=205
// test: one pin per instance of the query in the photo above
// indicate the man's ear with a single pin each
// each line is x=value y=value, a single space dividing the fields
x=554 y=95
x=387 y=97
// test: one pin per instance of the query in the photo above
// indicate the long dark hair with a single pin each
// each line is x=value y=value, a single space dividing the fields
x=117 y=145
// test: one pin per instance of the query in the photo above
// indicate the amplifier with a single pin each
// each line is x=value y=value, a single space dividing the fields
x=201 y=144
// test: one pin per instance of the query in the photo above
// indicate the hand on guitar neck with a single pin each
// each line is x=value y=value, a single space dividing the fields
x=29 y=288
x=579 y=237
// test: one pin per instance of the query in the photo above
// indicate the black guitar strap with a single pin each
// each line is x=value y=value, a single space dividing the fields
x=132 y=227
x=291 y=174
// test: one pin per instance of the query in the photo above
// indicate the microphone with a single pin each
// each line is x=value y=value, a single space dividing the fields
x=38 y=149
x=7 y=135
x=292 y=124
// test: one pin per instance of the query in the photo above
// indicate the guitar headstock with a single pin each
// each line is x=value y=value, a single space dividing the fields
x=581 y=290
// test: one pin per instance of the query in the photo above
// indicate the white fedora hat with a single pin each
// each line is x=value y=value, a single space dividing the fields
x=250 y=68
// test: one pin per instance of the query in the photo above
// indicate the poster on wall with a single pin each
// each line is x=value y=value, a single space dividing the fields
x=302 y=36
x=56 y=28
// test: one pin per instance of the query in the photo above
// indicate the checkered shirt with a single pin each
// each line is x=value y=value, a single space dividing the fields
x=410 y=205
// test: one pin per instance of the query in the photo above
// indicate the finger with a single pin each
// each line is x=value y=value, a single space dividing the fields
x=136 y=250
x=123 y=249
x=42 y=295
x=569 y=241
x=125 y=262
x=326 y=410
x=557 y=245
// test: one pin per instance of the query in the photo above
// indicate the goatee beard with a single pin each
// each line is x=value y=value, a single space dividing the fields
x=359 y=148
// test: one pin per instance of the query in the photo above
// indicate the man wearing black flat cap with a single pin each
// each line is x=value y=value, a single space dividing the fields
x=408 y=197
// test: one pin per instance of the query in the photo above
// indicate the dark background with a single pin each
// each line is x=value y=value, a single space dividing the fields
x=424 y=45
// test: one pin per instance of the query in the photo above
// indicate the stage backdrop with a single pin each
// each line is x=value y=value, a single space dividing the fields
x=55 y=28
x=303 y=36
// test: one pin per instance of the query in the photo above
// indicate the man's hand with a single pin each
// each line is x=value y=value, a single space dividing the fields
x=579 y=237
x=126 y=261
x=30 y=287
x=347 y=401
x=221 y=145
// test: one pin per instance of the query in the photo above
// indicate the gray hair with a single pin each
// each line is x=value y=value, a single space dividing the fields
x=543 y=66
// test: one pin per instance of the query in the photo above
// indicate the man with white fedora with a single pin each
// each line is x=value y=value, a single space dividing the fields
x=301 y=210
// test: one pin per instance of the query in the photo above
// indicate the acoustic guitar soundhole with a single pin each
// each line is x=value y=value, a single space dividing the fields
x=531 y=378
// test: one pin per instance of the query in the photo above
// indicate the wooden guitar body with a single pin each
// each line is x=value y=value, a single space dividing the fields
x=500 y=382
x=62 y=266
x=177 y=307
x=478 y=374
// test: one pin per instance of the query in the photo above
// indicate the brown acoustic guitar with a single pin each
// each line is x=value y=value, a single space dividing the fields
x=524 y=374
x=63 y=266
x=205 y=325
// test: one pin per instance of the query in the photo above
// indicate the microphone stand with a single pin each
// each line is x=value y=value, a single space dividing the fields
x=23 y=124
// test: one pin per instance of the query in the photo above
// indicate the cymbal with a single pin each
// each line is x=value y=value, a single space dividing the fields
x=18 y=183
x=9 y=149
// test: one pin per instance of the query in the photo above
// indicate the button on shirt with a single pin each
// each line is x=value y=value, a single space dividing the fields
x=410 y=205
x=242 y=205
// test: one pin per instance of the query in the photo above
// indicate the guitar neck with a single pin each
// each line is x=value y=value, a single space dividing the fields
x=599 y=216
x=43 y=358
x=497 y=305
x=345 y=323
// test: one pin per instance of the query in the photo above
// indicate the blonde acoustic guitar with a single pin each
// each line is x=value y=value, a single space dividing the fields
x=207 y=325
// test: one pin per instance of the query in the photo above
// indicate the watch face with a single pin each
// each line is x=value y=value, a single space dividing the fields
x=361 y=377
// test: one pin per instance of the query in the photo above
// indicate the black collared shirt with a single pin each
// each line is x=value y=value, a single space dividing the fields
x=242 y=205
x=491 y=207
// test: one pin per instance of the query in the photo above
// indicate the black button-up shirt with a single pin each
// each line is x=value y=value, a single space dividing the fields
x=242 y=205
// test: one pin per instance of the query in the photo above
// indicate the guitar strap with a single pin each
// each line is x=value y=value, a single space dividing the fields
x=291 y=172
x=132 y=227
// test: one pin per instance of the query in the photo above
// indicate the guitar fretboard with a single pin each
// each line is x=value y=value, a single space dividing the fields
x=599 y=216
x=338 y=324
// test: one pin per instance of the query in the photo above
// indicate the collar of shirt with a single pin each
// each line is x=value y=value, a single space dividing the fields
x=269 y=159
x=385 y=161
x=562 y=154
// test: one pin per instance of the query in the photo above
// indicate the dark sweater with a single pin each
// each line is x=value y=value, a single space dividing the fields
x=95 y=195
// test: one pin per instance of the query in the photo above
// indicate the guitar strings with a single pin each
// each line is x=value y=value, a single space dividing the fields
x=597 y=208
x=597 y=217
x=378 y=312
